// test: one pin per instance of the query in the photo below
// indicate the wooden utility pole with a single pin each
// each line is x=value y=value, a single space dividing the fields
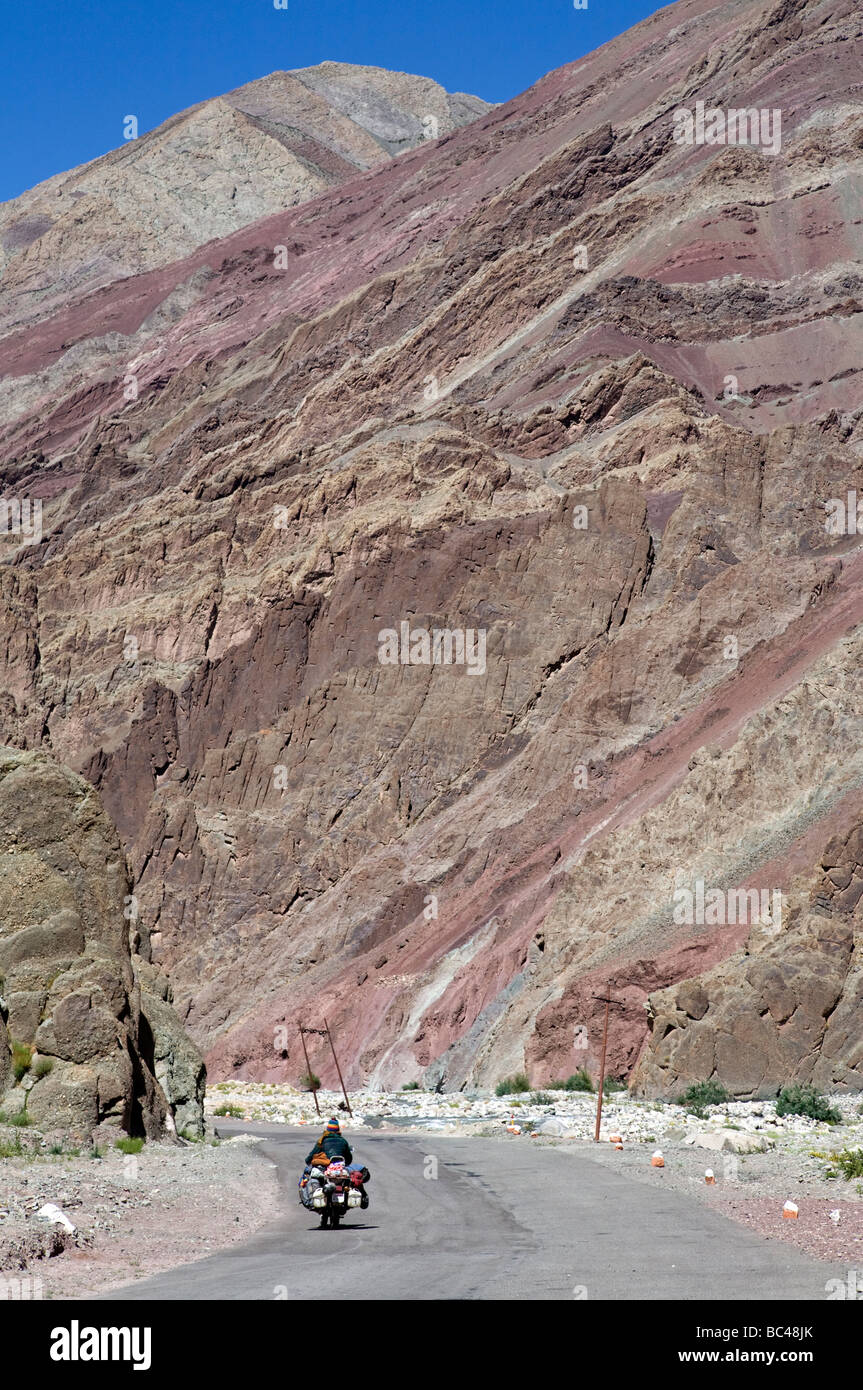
x=608 y=1001
x=308 y=1068
x=338 y=1069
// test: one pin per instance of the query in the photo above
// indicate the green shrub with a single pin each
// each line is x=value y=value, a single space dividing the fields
x=701 y=1094
x=43 y=1067
x=540 y=1098
x=20 y=1121
x=310 y=1082
x=411 y=1086
x=579 y=1081
x=850 y=1163
x=805 y=1100
x=612 y=1084
x=61 y=1149
x=129 y=1146
x=11 y=1148
x=512 y=1085
x=234 y=1112
x=22 y=1057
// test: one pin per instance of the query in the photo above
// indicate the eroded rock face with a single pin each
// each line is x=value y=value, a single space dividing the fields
x=556 y=378
x=787 y=1007
x=177 y=1064
x=69 y=992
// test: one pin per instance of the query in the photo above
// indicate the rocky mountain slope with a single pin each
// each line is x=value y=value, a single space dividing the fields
x=84 y=1044
x=556 y=379
x=206 y=172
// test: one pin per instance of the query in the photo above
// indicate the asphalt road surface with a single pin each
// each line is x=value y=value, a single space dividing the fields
x=499 y=1221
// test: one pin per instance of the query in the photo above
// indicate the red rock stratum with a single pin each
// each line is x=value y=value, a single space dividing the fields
x=554 y=379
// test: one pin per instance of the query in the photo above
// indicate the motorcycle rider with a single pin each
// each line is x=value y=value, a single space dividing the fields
x=332 y=1144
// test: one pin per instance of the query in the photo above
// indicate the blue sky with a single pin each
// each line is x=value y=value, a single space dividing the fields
x=73 y=69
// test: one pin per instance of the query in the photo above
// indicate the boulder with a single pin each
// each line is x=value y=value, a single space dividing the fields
x=55 y=1217
x=554 y=1127
x=739 y=1142
x=730 y=1141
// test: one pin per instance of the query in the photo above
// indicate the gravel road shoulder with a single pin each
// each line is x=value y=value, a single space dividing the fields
x=134 y=1214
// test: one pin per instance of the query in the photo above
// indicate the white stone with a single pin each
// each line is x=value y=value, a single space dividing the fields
x=56 y=1217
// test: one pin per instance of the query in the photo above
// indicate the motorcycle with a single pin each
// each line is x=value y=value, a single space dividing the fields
x=333 y=1192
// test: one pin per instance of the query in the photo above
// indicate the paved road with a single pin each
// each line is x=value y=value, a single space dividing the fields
x=500 y=1221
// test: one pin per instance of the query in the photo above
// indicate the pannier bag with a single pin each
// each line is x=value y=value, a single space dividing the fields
x=309 y=1184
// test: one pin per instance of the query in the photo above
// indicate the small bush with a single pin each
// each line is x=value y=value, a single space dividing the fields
x=233 y=1112
x=129 y=1146
x=310 y=1082
x=612 y=1084
x=850 y=1163
x=22 y=1057
x=701 y=1094
x=11 y=1148
x=540 y=1098
x=512 y=1085
x=805 y=1100
x=20 y=1121
x=43 y=1067
x=411 y=1086
x=579 y=1081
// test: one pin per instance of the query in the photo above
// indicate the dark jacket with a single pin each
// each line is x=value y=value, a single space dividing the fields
x=334 y=1146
